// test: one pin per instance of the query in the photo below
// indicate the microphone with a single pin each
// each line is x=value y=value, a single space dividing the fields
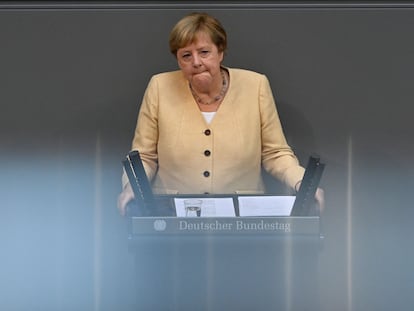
x=144 y=198
x=305 y=198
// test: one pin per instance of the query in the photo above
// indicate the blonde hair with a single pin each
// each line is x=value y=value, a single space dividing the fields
x=185 y=31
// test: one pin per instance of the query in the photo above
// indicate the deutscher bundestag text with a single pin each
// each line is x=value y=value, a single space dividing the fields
x=238 y=225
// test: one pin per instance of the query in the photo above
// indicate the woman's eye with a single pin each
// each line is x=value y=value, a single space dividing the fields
x=185 y=56
x=205 y=52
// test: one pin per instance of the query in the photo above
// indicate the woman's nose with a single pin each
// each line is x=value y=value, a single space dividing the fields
x=196 y=60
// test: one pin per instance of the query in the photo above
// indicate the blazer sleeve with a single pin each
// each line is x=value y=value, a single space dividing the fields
x=146 y=132
x=277 y=157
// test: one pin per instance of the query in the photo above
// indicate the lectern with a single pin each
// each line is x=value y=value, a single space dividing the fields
x=222 y=263
x=225 y=263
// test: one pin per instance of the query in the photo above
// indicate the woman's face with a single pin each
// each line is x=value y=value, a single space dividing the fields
x=200 y=61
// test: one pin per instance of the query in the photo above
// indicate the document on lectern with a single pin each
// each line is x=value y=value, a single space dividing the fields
x=266 y=205
x=208 y=207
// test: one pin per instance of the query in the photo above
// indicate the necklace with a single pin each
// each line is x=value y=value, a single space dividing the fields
x=215 y=98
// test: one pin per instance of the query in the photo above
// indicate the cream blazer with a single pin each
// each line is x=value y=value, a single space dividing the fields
x=181 y=153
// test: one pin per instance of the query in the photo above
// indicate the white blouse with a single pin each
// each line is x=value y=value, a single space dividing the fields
x=208 y=116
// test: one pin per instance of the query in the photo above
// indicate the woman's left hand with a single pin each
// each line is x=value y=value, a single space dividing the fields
x=320 y=199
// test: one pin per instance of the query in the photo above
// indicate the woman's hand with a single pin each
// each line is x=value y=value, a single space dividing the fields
x=124 y=198
x=320 y=199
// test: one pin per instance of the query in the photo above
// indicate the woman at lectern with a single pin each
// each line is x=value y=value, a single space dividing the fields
x=208 y=128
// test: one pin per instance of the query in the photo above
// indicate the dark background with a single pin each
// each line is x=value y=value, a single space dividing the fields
x=72 y=76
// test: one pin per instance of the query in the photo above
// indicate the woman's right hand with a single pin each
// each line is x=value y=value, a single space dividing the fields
x=124 y=198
